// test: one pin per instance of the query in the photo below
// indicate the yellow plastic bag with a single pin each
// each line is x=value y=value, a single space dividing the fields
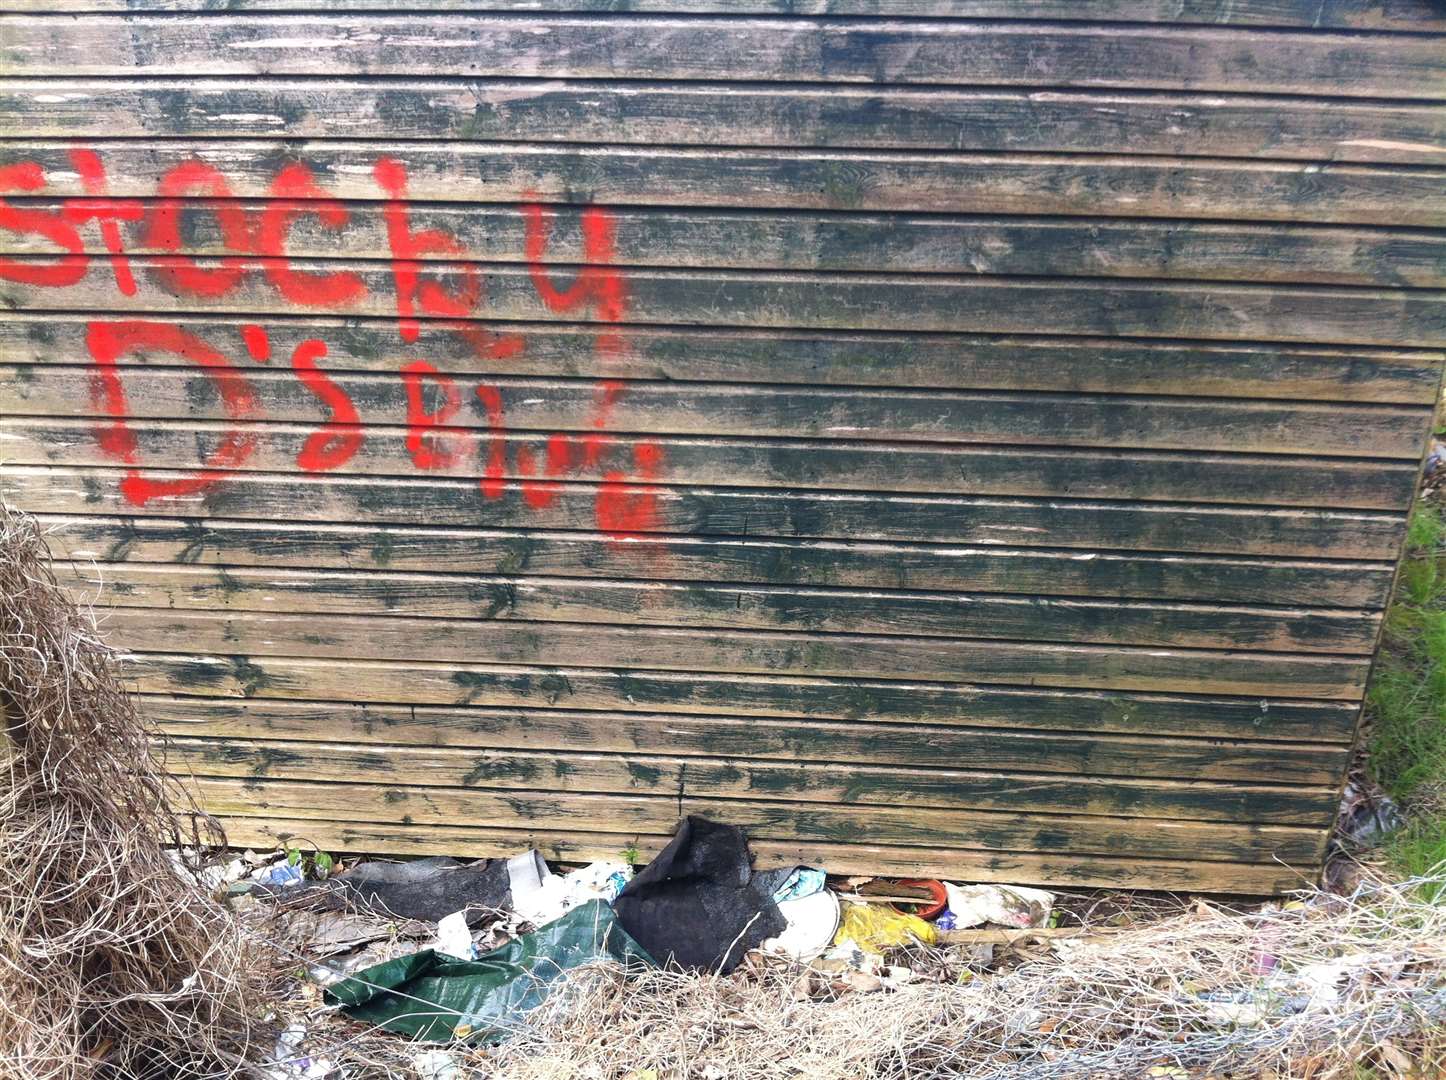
x=876 y=927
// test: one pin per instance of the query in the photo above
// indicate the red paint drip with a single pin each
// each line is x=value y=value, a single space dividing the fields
x=407 y=246
x=424 y=426
x=597 y=440
x=492 y=483
x=108 y=212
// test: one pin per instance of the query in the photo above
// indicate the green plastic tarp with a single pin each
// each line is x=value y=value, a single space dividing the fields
x=439 y=998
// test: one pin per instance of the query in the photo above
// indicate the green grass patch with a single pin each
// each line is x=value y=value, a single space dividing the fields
x=1407 y=698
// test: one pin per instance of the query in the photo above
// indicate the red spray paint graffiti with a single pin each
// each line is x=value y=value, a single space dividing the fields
x=180 y=272
x=627 y=497
x=428 y=429
x=292 y=185
x=68 y=268
x=408 y=246
x=107 y=212
x=338 y=440
x=107 y=343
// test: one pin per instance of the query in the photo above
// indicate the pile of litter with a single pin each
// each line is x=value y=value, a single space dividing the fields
x=698 y=968
x=108 y=958
x=1300 y=990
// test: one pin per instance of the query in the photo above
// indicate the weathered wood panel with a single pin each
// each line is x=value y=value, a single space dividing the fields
x=956 y=438
x=1098 y=247
x=741 y=410
x=815 y=358
x=230 y=544
x=933 y=302
x=834 y=117
x=648 y=604
x=1194 y=739
x=686 y=649
x=385 y=461
x=939 y=782
x=482 y=45
x=771 y=820
x=298 y=679
x=1389 y=15
x=962 y=183
x=1164 y=526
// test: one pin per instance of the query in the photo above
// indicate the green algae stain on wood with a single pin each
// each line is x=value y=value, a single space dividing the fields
x=830 y=424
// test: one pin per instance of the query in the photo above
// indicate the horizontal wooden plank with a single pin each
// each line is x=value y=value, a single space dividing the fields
x=678 y=649
x=818 y=359
x=740 y=513
x=779 y=562
x=702 y=114
x=1161 y=423
x=1390 y=15
x=1055 y=247
x=478 y=45
x=1216 y=311
x=271 y=680
x=1054 y=184
x=822 y=465
x=724 y=606
x=1116 y=871
x=809 y=787
x=368 y=801
x=755 y=740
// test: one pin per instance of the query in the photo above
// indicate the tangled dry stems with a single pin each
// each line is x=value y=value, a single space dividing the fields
x=112 y=964
x=1115 y=1008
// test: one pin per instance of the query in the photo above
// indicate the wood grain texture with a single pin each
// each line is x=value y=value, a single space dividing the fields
x=770 y=412
x=1216 y=311
x=1165 y=526
x=739 y=115
x=813 y=358
x=764 y=819
x=686 y=649
x=848 y=777
x=1388 y=15
x=139 y=542
x=1098 y=184
x=234 y=679
x=1127 y=744
x=385 y=463
x=1072 y=871
x=941 y=785
x=753 y=49
x=724 y=606
x=1052 y=247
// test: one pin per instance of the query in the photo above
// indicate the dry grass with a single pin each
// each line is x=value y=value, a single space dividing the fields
x=1118 y=1008
x=112 y=964
x=1143 y=1001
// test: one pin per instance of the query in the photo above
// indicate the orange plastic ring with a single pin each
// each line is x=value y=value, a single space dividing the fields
x=936 y=891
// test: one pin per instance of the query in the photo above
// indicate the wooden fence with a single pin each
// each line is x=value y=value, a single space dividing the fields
x=954 y=437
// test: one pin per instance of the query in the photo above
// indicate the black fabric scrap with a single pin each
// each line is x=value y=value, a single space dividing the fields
x=429 y=889
x=695 y=904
